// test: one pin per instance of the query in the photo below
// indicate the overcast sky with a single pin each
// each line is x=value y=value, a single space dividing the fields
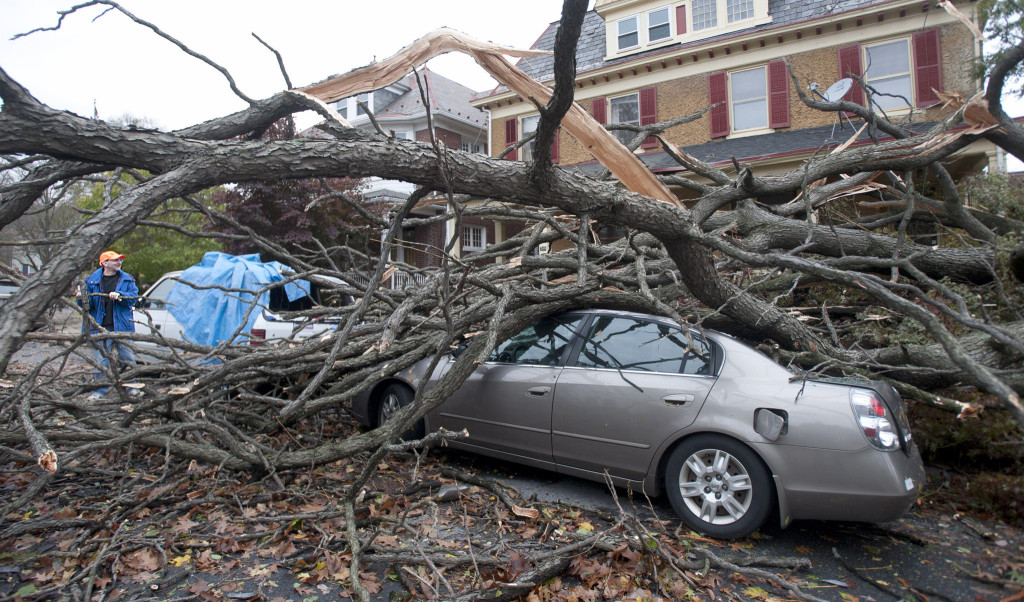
x=127 y=68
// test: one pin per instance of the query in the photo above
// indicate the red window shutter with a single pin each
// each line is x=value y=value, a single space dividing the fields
x=849 y=66
x=511 y=137
x=718 y=92
x=600 y=110
x=778 y=94
x=927 y=70
x=649 y=113
x=554 y=147
x=681 y=19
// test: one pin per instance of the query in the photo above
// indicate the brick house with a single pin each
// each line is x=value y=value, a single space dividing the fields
x=646 y=61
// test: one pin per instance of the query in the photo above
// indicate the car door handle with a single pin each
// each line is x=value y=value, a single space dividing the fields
x=538 y=391
x=679 y=400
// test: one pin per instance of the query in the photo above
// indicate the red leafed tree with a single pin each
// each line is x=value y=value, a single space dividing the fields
x=293 y=213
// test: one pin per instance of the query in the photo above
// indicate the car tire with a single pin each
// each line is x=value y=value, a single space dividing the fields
x=718 y=486
x=392 y=399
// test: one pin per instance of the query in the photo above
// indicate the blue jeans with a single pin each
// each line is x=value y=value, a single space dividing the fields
x=102 y=351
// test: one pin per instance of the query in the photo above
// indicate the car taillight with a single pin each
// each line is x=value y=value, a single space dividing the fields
x=257 y=336
x=874 y=419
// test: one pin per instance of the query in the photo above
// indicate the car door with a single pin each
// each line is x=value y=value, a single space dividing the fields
x=633 y=383
x=506 y=403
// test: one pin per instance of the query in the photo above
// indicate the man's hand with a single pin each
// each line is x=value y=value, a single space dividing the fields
x=116 y=296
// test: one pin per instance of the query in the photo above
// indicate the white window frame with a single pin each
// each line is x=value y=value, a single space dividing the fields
x=527 y=148
x=667 y=24
x=624 y=136
x=619 y=34
x=474 y=234
x=747 y=101
x=890 y=103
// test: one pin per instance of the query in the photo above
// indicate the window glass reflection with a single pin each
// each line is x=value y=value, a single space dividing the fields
x=541 y=344
x=628 y=344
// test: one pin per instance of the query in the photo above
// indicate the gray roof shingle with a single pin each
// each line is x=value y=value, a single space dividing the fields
x=780 y=143
x=445 y=96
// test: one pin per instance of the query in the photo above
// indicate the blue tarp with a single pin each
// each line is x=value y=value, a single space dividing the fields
x=211 y=316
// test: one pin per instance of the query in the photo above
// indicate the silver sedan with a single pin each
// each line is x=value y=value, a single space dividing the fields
x=727 y=434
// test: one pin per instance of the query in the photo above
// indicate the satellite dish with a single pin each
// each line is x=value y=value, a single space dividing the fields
x=838 y=90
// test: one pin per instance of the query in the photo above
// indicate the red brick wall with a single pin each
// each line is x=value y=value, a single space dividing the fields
x=445 y=137
x=430 y=241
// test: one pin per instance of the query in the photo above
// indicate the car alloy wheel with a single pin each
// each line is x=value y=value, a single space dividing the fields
x=718 y=486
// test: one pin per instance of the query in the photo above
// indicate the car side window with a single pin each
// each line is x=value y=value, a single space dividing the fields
x=541 y=344
x=629 y=344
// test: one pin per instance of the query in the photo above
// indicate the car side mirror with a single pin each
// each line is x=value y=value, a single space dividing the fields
x=142 y=303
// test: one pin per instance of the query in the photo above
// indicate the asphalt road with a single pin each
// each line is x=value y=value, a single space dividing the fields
x=926 y=555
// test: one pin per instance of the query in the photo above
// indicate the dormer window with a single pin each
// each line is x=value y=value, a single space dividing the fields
x=738 y=10
x=628 y=33
x=658 y=25
x=705 y=14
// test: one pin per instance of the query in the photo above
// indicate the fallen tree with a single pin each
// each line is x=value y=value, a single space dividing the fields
x=727 y=261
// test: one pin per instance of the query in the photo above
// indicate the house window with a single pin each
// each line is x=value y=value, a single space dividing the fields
x=474 y=238
x=362 y=98
x=625 y=109
x=529 y=127
x=738 y=10
x=658 y=27
x=705 y=14
x=887 y=70
x=628 y=33
x=749 y=99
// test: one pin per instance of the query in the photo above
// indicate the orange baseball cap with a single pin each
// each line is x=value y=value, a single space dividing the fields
x=108 y=255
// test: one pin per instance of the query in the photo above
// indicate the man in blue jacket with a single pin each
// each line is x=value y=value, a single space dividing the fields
x=112 y=294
